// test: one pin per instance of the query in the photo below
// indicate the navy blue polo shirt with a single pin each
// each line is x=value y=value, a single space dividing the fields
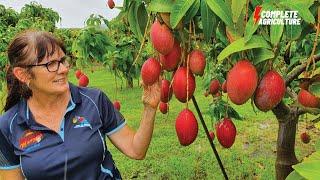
x=77 y=151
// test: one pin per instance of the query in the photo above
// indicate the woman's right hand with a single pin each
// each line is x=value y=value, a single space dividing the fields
x=151 y=94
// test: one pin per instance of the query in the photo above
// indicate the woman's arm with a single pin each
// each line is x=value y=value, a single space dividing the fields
x=135 y=144
x=12 y=174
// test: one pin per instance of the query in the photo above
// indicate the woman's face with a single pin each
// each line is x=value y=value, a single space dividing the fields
x=50 y=82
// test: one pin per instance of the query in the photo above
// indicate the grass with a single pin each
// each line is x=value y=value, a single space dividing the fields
x=251 y=157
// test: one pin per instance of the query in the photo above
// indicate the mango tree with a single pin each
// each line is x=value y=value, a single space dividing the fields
x=266 y=50
x=110 y=43
x=125 y=52
x=67 y=36
x=91 y=43
x=8 y=17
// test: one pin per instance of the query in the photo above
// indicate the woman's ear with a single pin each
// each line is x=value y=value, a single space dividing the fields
x=21 y=74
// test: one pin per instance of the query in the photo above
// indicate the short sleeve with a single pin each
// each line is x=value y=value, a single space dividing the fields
x=8 y=160
x=112 y=119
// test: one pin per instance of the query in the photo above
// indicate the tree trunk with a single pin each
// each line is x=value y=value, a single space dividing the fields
x=129 y=82
x=285 y=148
x=288 y=119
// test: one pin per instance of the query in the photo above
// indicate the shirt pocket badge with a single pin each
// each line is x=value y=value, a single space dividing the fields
x=80 y=122
x=30 y=140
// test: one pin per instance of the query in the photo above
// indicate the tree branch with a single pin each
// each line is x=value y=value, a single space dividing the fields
x=281 y=111
x=291 y=93
x=296 y=72
x=304 y=110
x=316 y=120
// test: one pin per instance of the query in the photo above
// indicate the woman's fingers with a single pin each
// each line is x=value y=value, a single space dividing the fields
x=151 y=94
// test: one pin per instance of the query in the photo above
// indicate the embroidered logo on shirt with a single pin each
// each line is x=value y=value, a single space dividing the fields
x=80 y=122
x=30 y=139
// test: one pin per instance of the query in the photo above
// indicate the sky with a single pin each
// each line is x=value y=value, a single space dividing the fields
x=73 y=13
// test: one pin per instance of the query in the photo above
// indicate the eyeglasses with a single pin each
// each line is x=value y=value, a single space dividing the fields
x=53 y=66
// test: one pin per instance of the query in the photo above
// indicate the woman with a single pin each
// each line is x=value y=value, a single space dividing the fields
x=52 y=129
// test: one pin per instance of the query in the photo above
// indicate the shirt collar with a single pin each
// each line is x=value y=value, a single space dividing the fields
x=75 y=93
x=23 y=111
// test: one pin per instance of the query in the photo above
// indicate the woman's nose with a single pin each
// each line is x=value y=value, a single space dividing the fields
x=63 y=68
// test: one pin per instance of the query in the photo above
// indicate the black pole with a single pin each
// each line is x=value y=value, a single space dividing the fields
x=208 y=136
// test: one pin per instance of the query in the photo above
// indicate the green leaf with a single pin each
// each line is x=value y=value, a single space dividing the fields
x=294 y=61
x=251 y=27
x=275 y=34
x=314 y=88
x=141 y=18
x=220 y=8
x=236 y=7
x=217 y=110
x=179 y=9
x=256 y=2
x=208 y=21
x=132 y=19
x=137 y=17
x=221 y=34
x=160 y=5
x=192 y=11
x=309 y=170
x=302 y=8
x=232 y=33
x=232 y=113
x=240 y=25
x=293 y=32
x=126 y=4
x=240 y=45
x=261 y=55
x=308 y=3
x=294 y=176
